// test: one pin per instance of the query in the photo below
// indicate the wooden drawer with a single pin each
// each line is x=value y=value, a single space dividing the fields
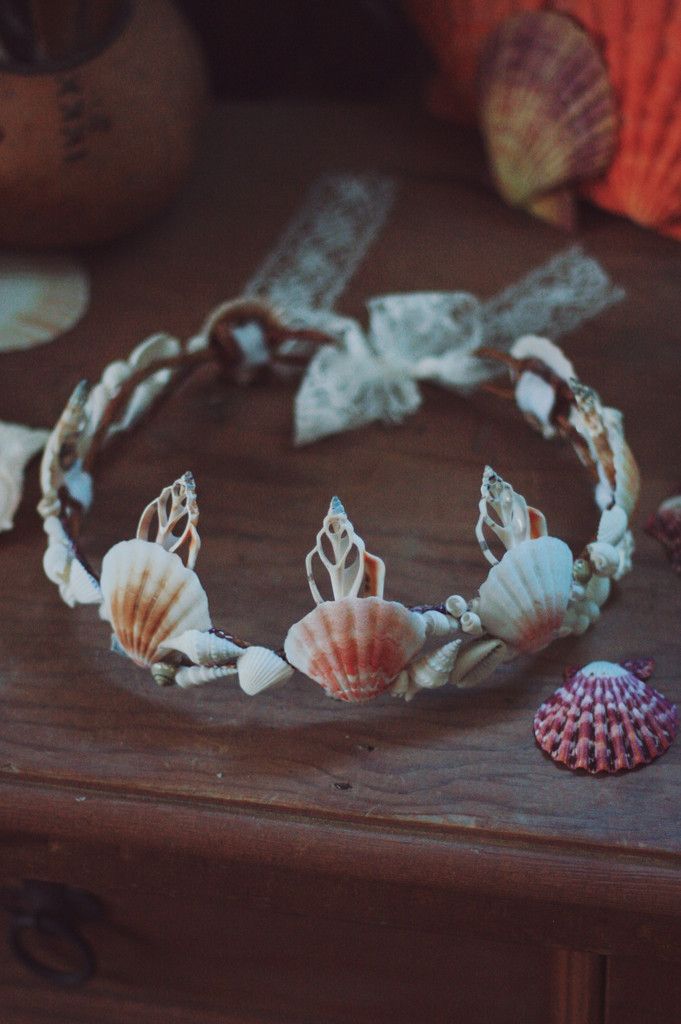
x=186 y=940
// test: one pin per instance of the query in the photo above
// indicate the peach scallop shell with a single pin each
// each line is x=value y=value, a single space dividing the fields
x=149 y=595
x=355 y=647
x=524 y=598
x=606 y=719
x=547 y=112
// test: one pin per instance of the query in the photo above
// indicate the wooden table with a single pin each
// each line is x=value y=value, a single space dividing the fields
x=289 y=858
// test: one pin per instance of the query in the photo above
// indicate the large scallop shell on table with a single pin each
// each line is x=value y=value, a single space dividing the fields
x=547 y=112
x=525 y=596
x=149 y=596
x=40 y=298
x=605 y=718
x=355 y=647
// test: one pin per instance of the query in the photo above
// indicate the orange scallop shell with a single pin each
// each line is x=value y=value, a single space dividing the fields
x=640 y=41
x=355 y=647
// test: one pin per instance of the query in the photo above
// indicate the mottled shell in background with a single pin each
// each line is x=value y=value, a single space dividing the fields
x=547 y=112
x=355 y=647
x=606 y=719
x=149 y=595
x=524 y=598
x=665 y=526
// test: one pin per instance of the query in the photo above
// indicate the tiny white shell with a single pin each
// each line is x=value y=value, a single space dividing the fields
x=439 y=625
x=114 y=375
x=197 y=674
x=604 y=558
x=82 y=587
x=471 y=624
x=613 y=525
x=261 y=669
x=531 y=346
x=151 y=350
x=433 y=670
x=524 y=598
x=150 y=595
x=456 y=605
x=598 y=590
x=203 y=648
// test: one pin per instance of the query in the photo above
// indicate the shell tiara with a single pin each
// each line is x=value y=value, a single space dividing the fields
x=356 y=644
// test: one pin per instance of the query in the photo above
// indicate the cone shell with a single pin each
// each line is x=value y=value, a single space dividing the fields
x=605 y=719
x=665 y=526
x=261 y=669
x=524 y=599
x=354 y=648
x=149 y=596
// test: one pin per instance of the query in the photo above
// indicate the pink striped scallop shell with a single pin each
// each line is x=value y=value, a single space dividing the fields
x=606 y=719
x=355 y=647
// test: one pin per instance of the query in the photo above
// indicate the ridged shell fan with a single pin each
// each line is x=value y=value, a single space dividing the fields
x=605 y=718
x=149 y=595
x=525 y=597
x=355 y=647
x=547 y=112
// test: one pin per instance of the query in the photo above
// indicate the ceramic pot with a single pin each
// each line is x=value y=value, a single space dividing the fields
x=91 y=147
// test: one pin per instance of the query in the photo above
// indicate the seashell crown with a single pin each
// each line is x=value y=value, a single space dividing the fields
x=355 y=643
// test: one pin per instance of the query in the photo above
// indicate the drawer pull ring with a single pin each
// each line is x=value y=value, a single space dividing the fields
x=47 y=925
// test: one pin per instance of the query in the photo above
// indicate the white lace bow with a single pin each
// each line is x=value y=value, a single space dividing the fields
x=433 y=336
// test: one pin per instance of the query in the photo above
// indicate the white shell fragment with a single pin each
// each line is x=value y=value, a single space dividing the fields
x=64 y=452
x=535 y=396
x=61 y=566
x=363 y=577
x=525 y=597
x=506 y=514
x=261 y=669
x=203 y=648
x=40 y=298
x=149 y=596
x=613 y=525
x=18 y=445
x=175 y=505
x=604 y=558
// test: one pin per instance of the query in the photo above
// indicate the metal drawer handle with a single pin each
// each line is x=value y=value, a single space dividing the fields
x=44 y=924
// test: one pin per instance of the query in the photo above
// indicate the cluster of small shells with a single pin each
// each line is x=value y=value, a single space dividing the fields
x=356 y=645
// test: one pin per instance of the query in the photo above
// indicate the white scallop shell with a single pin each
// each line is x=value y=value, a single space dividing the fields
x=355 y=647
x=203 y=648
x=150 y=595
x=40 y=298
x=524 y=598
x=261 y=669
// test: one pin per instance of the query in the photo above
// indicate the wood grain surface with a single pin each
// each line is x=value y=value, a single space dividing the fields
x=455 y=772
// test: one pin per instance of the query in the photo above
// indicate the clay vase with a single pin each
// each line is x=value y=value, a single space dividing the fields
x=91 y=146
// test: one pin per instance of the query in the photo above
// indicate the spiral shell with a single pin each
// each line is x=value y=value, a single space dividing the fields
x=432 y=670
x=354 y=648
x=524 y=598
x=606 y=719
x=150 y=596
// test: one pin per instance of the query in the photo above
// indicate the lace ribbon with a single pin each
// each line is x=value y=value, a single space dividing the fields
x=433 y=336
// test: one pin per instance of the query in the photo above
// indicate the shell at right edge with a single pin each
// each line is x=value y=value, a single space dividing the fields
x=525 y=596
x=547 y=111
x=149 y=595
x=355 y=647
x=605 y=719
